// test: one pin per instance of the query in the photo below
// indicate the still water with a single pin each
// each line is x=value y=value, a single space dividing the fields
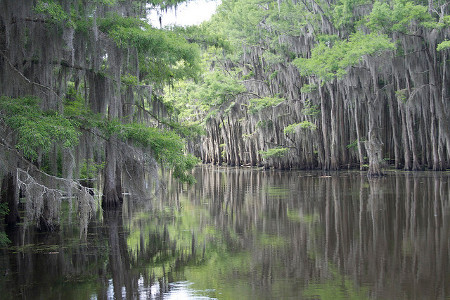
x=250 y=234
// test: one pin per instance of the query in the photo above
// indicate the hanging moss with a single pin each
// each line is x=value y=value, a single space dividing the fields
x=99 y=72
x=366 y=73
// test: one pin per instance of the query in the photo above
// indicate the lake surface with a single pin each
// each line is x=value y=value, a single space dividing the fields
x=249 y=234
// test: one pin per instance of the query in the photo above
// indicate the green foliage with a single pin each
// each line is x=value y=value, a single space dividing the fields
x=329 y=62
x=310 y=109
x=163 y=55
x=196 y=100
x=187 y=129
x=116 y=22
x=52 y=10
x=255 y=22
x=182 y=97
x=223 y=153
x=439 y=25
x=298 y=217
x=89 y=169
x=219 y=87
x=336 y=287
x=265 y=124
x=401 y=95
x=274 y=241
x=443 y=46
x=248 y=76
x=397 y=15
x=308 y=88
x=4 y=239
x=162 y=4
x=182 y=167
x=75 y=108
x=290 y=129
x=108 y=127
x=273 y=58
x=257 y=104
x=273 y=75
x=203 y=36
x=129 y=80
x=238 y=20
x=274 y=152
x=328 y=38
x=353 y=145
x=166 y=145
x=303 y=125
x=343 y=12
x=158 y=140
x=107 y=2
x=37 y=130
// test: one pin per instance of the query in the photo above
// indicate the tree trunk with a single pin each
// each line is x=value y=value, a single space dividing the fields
x=334 y=133
x=358 y=136
x=406 y=150
x=326 y=147
x=394 y=133
x=119 y=260
x=373 y=145
x=112 y=196
x=9 y=195
x=412 y=139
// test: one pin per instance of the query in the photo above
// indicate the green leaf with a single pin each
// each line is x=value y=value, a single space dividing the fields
x=257 y=104
x=303 y=125
x=443 y=46
x=37 y=130
x=274 y=152
x=331 y=61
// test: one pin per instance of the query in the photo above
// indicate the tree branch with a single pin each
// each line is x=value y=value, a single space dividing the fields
x=29 y=19
x=32 y=166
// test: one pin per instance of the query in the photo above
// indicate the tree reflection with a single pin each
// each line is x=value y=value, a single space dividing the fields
x=119 y=262
x=252 y=234
x=388 y=236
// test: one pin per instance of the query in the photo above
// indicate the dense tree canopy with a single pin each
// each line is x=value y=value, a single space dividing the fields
x=90 y=87
x=81 y=85
x=360 y=83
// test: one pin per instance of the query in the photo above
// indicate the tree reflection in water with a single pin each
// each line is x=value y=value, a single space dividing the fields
x=251 y=234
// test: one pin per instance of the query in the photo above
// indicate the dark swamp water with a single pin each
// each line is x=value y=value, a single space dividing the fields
x=250 y=234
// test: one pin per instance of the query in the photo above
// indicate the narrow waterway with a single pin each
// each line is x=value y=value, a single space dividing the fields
x=249 y=234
